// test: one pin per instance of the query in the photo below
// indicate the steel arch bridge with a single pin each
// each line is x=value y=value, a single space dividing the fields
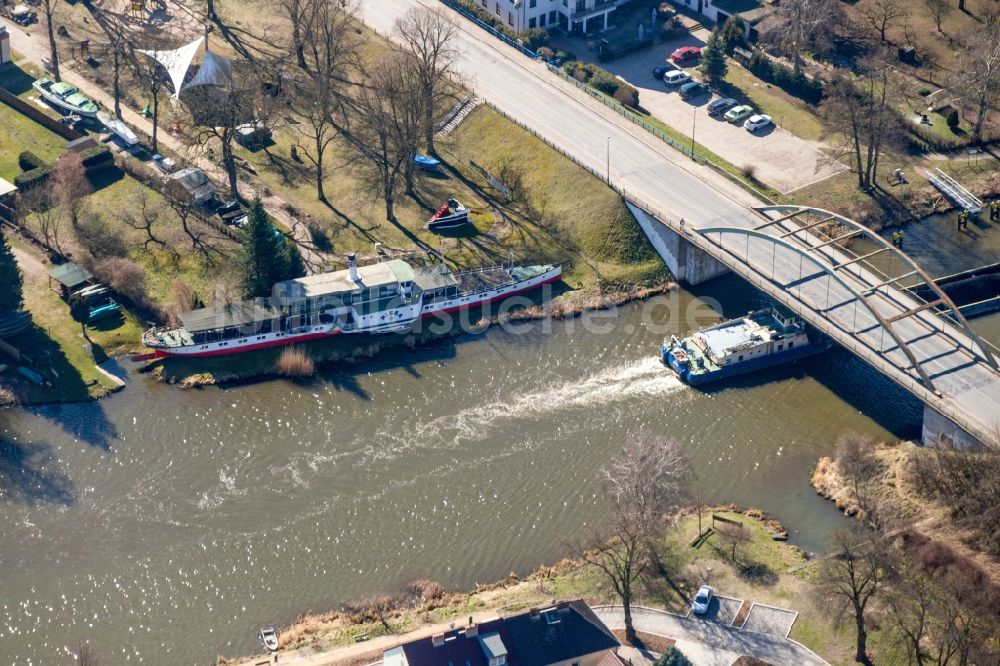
x=861 y=295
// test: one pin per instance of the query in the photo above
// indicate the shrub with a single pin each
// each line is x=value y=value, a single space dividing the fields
x=794 y=83
x=99 y=239
x=426 y=590
x=128 y=280
x=27 y=161
x=546 y=53
x=535 y=38
x=749 y=171
x=294 y=362
x=924 y=92
x=951 y=117
x=673 y=657
x=7 y=397
x=625 y=96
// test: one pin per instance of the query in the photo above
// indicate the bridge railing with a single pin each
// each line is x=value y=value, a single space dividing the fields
x=775 y=290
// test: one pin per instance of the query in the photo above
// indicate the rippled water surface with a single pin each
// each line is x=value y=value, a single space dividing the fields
x=167 y=525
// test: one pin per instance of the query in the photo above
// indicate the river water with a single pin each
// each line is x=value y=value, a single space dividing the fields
x=166 y=525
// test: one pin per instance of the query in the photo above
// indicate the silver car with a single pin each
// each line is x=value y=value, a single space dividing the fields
x=702 y=600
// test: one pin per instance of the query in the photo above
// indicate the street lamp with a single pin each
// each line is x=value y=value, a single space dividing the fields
x=609 y=161
x=694 y=120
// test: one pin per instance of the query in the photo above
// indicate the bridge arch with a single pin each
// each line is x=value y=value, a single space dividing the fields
x=789 y=213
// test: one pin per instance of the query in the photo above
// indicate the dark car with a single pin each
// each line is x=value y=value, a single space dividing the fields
x=693 y=89
x=660 y=70
x=720 y=106
x=686 y=53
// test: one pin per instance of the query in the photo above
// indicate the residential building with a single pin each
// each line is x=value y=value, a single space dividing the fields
x=751 y=11
x=567 y=634
x=579 y=17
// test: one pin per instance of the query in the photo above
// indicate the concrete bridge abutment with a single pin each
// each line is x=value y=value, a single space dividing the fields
x=939 y=430
x=687 y=263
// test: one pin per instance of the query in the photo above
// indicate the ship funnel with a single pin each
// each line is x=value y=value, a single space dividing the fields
x=353 y=264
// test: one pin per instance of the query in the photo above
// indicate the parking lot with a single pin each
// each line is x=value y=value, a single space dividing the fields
x=781 y=159
x=721 y=610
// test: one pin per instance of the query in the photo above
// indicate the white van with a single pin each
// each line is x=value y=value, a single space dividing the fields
x=676 y=78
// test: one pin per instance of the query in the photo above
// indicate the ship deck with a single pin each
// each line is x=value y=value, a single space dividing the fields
x=474 y=281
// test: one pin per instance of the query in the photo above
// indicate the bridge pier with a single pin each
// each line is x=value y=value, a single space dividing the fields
x=939 y=429
x=687 y=263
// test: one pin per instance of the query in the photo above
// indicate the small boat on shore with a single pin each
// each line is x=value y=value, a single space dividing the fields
x=65 y=97
x=268 y=638
x=450 y=216
x=761 y=339
x=118 y=128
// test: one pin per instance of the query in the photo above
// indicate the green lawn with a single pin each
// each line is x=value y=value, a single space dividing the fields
x=19 y=133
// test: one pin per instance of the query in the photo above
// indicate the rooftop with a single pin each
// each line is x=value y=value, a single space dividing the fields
x=560 y=634
x=70 y=275
x=233 y=314
x=322 y=284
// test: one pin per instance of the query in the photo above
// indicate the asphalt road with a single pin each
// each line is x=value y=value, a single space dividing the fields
x=672 y=187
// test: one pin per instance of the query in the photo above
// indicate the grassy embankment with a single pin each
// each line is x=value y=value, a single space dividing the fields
x=565 y=215
x=760 y=574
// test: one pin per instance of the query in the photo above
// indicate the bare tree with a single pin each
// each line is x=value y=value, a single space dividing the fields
x=327 y=49
x=863 y=112
x=142 y=216
x=938 y=9
x=805 y=24
x=429 y=36
x=48 y=11
x=153 y=76
x=219 y=111
x=374 y=608
x=734 y=537
x=386 y=128
x=883 y=15
x=644 y=485
x=70 y=185
x=296 y=13
x=116 y=37
x=980 y=73
x=853 y=576
x=921 y=615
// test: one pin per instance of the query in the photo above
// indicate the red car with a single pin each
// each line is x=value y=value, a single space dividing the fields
x=685 y=53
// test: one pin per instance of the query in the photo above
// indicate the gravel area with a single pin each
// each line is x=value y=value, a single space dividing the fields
x=769 y=620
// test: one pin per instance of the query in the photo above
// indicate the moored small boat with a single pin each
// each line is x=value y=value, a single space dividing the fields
x=118 y=128
x=450 y=216
x=66 y=97
x=268 y=638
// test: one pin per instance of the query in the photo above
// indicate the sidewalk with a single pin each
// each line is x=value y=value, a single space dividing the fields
x=34 y=47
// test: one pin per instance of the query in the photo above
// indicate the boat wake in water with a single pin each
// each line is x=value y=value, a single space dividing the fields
x=640 y=379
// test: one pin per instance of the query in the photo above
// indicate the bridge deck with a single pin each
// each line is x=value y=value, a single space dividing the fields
x=670 y=186
x=954 y=190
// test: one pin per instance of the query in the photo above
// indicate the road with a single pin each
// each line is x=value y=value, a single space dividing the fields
x=715 y=637
x=672 y=187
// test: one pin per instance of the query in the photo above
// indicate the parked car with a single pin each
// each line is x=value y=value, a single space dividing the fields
x=686 y=53
x=702 y=600
x=676 y=78
x=693 y=89
x=757 y=122
x=721 y=105
x=738 y=113
x=660 y=70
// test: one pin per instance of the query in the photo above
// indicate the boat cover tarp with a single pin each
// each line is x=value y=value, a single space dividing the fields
x=176 y=61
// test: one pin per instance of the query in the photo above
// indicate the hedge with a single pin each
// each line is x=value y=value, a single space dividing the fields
x=794 y=83
x=603 y=80
x=27 y=161
x=532 y=38
x=33 y=177
x=96 y=157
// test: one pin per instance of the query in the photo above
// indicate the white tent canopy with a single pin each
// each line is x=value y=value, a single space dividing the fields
x=177 y=61
x=214 y=71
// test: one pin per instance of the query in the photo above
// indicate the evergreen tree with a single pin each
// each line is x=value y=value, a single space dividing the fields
x=713 y=59
x=12 y=291
x=266 y=256
x=733 y=34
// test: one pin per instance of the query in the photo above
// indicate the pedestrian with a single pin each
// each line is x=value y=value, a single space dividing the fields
x=682 y=225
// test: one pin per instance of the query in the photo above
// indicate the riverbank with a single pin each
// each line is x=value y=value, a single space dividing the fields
x=361 y=629
x=895 y=480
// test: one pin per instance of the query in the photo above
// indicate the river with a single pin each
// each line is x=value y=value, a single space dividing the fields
x=166 y=525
